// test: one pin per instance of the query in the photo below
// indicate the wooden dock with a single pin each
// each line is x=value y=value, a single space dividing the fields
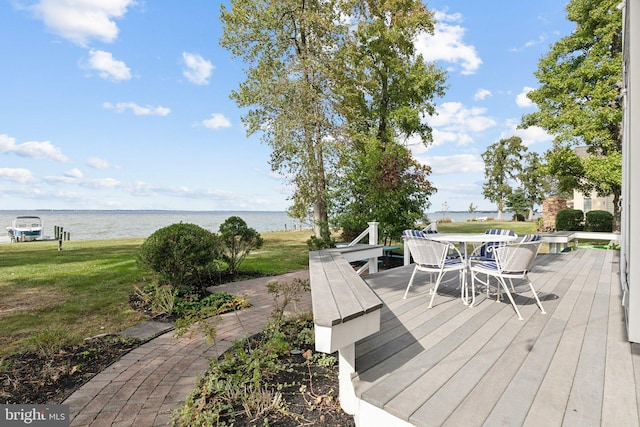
x=458 y=366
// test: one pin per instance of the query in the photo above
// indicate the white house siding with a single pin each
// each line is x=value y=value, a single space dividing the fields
x=630 y=235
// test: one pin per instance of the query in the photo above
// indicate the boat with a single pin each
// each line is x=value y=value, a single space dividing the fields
x=25 y=229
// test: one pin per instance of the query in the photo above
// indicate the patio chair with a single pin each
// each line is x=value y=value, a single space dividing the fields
x=431 y=256
x=485 y=250
x=512 y=261
x=529 y=238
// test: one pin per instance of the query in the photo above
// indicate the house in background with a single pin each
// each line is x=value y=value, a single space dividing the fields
x=590 y=202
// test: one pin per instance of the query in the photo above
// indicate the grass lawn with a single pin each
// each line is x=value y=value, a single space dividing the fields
x=63 y=296
x=480 y=227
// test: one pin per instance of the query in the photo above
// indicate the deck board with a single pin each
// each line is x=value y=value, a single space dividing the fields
x=454 y=365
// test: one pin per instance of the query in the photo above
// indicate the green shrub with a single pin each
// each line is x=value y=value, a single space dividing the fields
x=237 y=240
x=569 y=220
x=598 y=221
x=181 y=255
x=316 y=244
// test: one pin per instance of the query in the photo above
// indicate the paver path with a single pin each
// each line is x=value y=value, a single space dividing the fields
x=147 y=383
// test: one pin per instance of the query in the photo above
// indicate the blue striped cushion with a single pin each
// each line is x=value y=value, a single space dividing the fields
x=414 y=233
x=449 y=262
x=488 y=254
x=531 y=238
x=488 y=265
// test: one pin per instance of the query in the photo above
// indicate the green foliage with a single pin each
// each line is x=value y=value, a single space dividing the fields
x=221 y=302
x=385 y=184
x=577 y=100
x=385 y=88
x=316 y=244
x=598 y=221
x=181 y=255
x=285 y=293
x=236 y=241
x=534 y=180
x=204 y=312
x=518 y=204
x=569 y=220
x=502 y=163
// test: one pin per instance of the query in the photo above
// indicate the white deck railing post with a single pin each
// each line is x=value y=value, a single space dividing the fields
x=373 y=240
x=346 y=368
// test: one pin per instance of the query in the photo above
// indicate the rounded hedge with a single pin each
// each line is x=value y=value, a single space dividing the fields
x=181 y=255
x=598 y=221
x=569 y=220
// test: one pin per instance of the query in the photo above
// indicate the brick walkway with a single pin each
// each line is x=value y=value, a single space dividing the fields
x=147 y=383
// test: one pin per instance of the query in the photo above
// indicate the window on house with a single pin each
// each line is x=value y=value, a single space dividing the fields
x=587 y=204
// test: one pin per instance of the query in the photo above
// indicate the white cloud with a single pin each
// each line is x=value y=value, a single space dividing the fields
x=19 y=175
x=217 y=121
x=98 y=163
x=481 y=94
x=531 y=135
x=31 y=149
x=74 y=173
x=136 y=109
x=198 y=69
x=453 y=123
x=447 y=44
x=75 y=176
x=522 y=100
x=456 y=164
x=107 y=67
x=453 y=116
x=101 y=183
x=541 y=39
x=82 y=20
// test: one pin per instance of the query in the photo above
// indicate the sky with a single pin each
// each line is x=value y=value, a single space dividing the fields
x=124 y=104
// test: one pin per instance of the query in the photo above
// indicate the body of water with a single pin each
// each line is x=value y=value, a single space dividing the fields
x=464 y=216
x=102 y=225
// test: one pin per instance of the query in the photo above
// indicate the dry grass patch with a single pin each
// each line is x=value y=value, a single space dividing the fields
x=29 y=299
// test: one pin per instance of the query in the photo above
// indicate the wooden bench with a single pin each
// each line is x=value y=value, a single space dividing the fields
x=559 y=240
x=345 y=310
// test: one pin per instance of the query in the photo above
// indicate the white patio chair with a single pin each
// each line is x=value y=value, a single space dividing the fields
x=431 y=256
x=512 y=261
x=484 y=251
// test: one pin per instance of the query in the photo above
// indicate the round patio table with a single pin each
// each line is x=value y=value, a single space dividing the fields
x=464 y=238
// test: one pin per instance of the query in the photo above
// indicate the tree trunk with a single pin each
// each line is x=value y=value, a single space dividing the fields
x=617 y=212
x=320 y=220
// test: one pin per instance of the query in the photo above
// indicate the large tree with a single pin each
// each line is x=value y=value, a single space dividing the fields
x=578 y=100
x=288 y=47
x=533 y=180
x=386 y=91
x=502 y=166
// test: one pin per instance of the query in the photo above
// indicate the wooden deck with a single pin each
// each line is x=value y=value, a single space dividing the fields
x=457 y=366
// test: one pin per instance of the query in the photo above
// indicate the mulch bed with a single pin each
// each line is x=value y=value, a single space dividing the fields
x=35 y=378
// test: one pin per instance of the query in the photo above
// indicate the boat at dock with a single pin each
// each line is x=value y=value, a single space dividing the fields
x=26 y=229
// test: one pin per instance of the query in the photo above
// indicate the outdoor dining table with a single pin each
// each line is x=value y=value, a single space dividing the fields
x=464 y=239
